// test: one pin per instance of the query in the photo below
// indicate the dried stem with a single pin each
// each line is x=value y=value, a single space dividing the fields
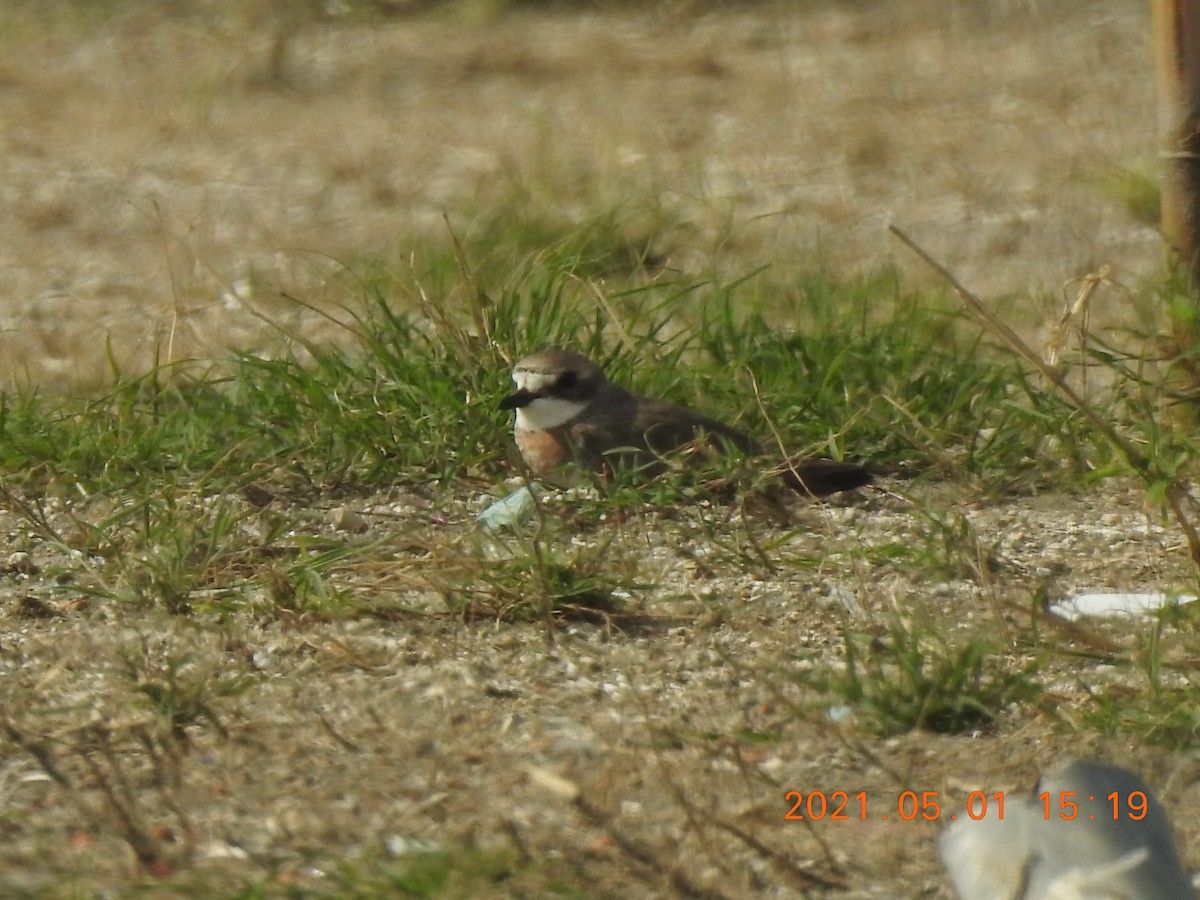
x=1177 y=495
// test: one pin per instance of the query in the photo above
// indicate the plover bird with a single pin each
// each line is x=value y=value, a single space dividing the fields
x=567 y=411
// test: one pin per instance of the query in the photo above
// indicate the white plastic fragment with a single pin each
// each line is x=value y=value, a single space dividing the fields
x=509 y=511
x=1117 y=604
x=841 y=713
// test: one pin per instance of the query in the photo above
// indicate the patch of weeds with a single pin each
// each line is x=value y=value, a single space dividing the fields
x=179 y=690
x=188 y=554
x=868 y=372
x=151 y=426
x=908 y=679
x=120 y=759
x=1165 y=717
x=1159 y=704
x=717 y=509
x=395 y=415
x=541 y=578
x=573 y=558
x=619 y=243
x=738 y=523
x=181 y=550
x=1136 y=187
x=406 y=869
x=1138 y=443
x=945 y=543
x=302 y=585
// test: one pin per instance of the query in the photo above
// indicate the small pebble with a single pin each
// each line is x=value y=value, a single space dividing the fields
x=345 y=519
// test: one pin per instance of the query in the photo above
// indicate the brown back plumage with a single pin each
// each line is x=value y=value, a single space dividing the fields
x=641 y=431
x=614 y=427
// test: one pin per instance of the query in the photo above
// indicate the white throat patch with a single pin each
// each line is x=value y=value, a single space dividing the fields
x=547 y=412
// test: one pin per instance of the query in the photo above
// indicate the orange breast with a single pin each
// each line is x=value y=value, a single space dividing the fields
x=541 y=450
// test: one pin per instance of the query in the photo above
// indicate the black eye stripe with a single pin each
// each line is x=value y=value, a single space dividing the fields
x=567 y=379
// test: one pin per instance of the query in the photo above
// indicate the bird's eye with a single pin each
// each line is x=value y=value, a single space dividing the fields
x=566 y=380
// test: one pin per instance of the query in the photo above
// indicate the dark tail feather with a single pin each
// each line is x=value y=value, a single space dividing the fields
x=821 y=477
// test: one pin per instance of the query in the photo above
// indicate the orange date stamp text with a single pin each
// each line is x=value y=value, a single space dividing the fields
x=929 y=806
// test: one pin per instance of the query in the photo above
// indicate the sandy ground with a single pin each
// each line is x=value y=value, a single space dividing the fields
x=304 y=743
x=167 y=176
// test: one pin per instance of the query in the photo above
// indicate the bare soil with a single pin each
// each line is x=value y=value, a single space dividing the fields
x=681 y=724
x=168 y=176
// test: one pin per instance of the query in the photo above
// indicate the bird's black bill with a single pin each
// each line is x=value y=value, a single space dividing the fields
x=519 y=399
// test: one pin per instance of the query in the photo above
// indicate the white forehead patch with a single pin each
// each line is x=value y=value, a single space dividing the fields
x=547 y=412
x=533 y=380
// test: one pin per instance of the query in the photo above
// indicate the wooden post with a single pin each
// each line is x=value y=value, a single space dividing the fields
x=1177 y=51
